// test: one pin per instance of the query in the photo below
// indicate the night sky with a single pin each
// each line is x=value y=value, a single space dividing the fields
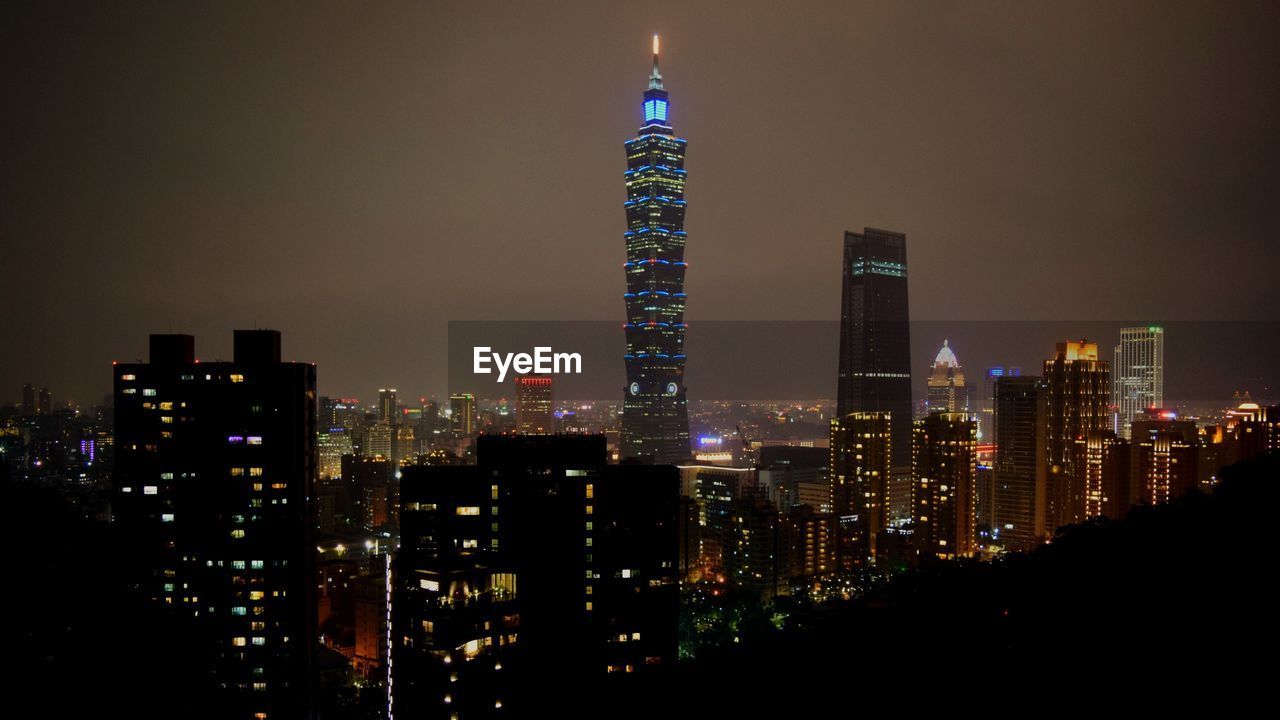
x=358 y=174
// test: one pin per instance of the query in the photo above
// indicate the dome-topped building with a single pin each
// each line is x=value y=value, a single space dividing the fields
x=947 y=389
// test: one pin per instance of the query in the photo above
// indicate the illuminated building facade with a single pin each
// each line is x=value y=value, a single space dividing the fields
x=1138 y=384
x=947 y=391
x=1079 y=398
x=655 y=413
x=1164 y=456
x=944 y=468
x=875 y=346
x=1106 y=475
x=861 y=451
x=528 y=579
x=534 y=405
x=1018 y=503
x=213 y=481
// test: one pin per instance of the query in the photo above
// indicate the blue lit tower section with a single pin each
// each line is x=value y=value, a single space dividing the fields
x=655 y=413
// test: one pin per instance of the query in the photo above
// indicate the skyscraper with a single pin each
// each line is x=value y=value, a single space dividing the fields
x=986 y=403
x=860 y=467
x=387 y=405
x=655 y=414
x=947 y=391
x=944 y=465
x=462 y=413
x=214 y=474
x=1138 y=383
x=1021 y=404
x=534 y=414
x=875 y=345
x=1079 y=394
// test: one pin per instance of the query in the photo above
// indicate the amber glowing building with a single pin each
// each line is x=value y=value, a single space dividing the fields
x=1079 y=388
x=534 y=413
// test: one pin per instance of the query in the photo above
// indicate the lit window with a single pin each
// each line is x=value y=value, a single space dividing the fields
x=237 y=534
x=468 y=510
x=166 y=517
x=256 y=594
x=237 y=378
x=128 y=377
x=255 y=472
x=235 y=439
x=238 y=610
x=149 y=392
x=237 y=471
x=150 y=490
x=255 y=440
x=238 y=641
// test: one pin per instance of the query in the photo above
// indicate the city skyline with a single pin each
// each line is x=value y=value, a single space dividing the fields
x=578 y=521
x=272 y=203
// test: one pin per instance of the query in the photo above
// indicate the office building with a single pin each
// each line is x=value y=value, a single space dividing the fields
x=947 y=391
x=462 y=414
x=534 y=411
x=875 y=346
x=1138 y=383
x=655 y=413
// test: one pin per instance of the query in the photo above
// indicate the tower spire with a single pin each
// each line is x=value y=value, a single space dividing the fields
x=655 y=78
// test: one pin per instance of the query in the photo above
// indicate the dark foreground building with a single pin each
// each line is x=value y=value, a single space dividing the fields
x=532 y=581
x=875 y=345
x=213 y=475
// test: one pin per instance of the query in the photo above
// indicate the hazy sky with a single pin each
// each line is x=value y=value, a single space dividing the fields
x=357 y=174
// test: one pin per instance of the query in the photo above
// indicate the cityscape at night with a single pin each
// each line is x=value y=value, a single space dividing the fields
x=940 y=374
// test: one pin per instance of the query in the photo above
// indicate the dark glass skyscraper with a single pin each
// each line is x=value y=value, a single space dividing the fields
x=875 y=344
x=655 y=414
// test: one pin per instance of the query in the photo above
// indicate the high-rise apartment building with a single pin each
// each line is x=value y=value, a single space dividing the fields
x=1019 y=421
x=1163 y=458
x=861 y=452
x=213 y=479
x=527 y=580
x=462 y=414
x=944 y=455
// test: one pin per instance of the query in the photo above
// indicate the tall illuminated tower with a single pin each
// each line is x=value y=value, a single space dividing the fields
x=1138 y=384
x=655 y=414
